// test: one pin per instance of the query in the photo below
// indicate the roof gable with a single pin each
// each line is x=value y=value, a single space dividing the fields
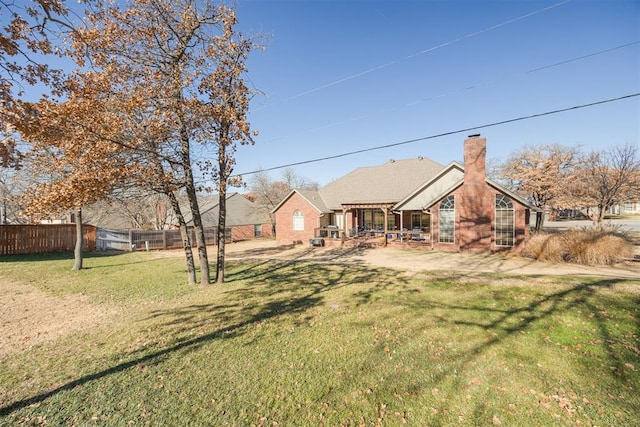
x=449 y=178
x=312 y=197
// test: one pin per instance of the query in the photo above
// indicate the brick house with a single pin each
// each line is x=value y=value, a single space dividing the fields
x=414 y=202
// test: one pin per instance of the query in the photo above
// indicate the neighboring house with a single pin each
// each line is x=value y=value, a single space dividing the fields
x=102 y=215
x=417 y=201
x=627 y=207
x=243 y=216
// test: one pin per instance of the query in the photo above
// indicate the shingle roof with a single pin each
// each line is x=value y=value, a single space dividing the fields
x=240 y=211
x=390 y=182
x=314 y=197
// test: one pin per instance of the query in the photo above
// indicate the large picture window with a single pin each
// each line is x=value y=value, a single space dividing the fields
x=504 y=221
x=298 y=221
x=419 y=220
x=447 y=220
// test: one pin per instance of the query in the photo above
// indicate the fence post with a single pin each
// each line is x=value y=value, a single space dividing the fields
x=164 y=239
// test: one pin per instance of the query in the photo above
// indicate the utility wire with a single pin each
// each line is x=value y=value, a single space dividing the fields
x=413 y=55
x=456 y=91
x=589 y=55
x=440 y=135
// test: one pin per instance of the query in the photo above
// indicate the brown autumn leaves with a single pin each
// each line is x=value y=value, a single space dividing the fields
x=151 y=83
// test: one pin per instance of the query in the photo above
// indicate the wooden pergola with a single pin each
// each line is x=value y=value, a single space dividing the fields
x=384 y=206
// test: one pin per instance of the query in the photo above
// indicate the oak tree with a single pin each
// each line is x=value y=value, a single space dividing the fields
x=541 y=174
x=25 y=47
x=154 y=80
x=227 y=98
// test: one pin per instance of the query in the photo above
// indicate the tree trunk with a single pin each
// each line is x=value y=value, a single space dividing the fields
x=205 y=277
x=186 y=240
x=189 y=185
x=222 y=221
x=77 y=252
x=539 y=221
x=602 y=210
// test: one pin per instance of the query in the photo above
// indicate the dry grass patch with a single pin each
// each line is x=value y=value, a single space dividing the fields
x=585 y=246
x=31 y=317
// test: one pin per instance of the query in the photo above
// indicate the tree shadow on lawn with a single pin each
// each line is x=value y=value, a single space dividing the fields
x=259 y=252
x=504 y=323
x=518 y=319
x=305 y=283
x=293 y=287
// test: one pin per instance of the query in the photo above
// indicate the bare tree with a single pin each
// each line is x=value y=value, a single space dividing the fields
x=606 y=178
x=133 y=208
x=267 y=193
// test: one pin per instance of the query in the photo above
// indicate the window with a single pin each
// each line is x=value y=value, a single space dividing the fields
x=504 y=221
x=373 y=219
x=447 y=220
x=419 y=220
x=257 y=230
x=298 y=221
x=628 y=207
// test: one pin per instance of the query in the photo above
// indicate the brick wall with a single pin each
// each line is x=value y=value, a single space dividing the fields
x=284 y=220
x=475 y=207
x=246 y=232
x=267 y=230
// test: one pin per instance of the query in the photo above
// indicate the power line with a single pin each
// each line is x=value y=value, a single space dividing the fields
x=611 y=49
x=459 y=90
x=440 y=135
x=422 y=52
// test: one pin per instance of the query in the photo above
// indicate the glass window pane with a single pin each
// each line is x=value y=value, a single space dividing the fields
x=446 y=220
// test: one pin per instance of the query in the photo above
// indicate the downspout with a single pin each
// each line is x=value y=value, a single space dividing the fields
x=344 y=225
x=385 y=226
x=430 y=226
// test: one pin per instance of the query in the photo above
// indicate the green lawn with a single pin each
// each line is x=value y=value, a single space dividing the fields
x=299 y=343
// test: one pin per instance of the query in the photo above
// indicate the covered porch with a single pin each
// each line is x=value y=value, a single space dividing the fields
x=375 y=224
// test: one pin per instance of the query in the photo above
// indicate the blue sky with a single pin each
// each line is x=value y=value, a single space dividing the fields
x=341 y=76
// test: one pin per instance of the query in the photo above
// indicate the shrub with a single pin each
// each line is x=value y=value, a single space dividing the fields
x=586 y=246
x=544 y=247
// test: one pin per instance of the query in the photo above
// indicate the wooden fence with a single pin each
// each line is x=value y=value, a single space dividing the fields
x=43 y=238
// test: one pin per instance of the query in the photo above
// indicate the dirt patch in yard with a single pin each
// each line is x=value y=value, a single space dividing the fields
x=425 y=259
x=29 y=316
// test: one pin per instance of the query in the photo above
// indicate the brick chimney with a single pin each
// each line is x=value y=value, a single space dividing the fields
x=475 y=154
x=476 y=201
